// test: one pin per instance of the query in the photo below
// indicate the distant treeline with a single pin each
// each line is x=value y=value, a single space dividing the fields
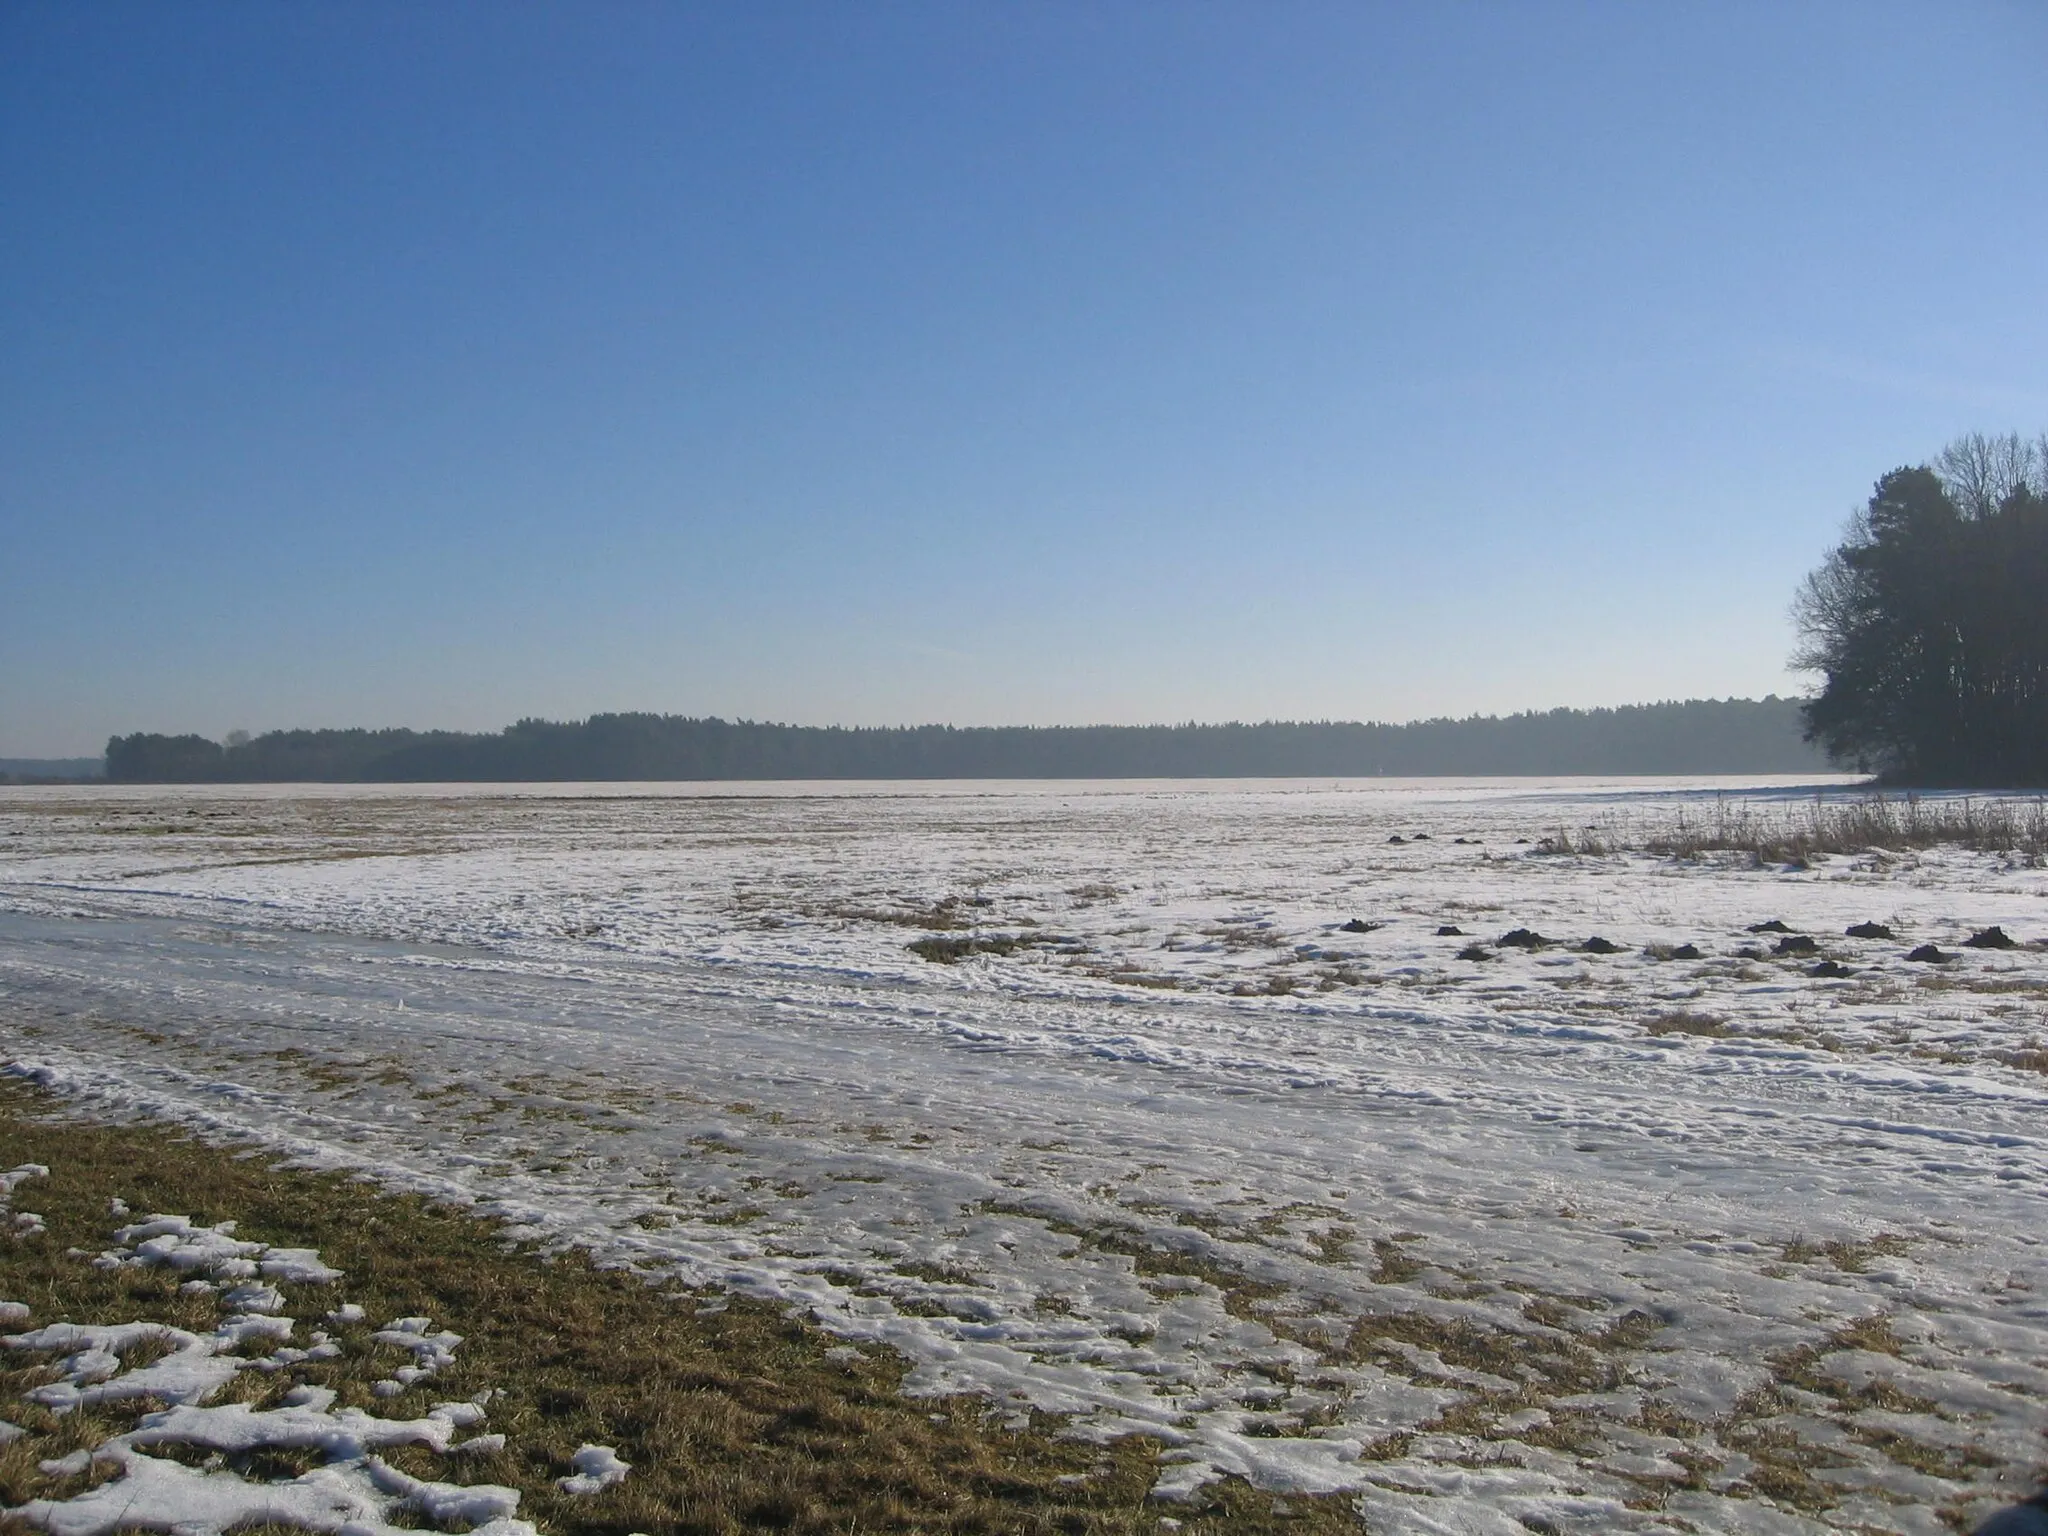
x=49 y=770
x=1698 y=736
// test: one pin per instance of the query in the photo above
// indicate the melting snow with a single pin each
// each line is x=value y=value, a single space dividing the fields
x=355 y=1498
x=353 y=1492
x=597 y=1468
x=431 y=1352
x=1449 y=1223
x=20 y=1224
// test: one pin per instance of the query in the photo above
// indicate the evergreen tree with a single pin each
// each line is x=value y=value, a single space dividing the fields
x=1929 y=623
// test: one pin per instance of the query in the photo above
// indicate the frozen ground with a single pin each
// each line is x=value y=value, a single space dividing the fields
x=1544 y=1240
x=133 y=1485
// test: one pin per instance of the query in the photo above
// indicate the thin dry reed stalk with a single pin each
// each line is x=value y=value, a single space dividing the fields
x=2018 y=828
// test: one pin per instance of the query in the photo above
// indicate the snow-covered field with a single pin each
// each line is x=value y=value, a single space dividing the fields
x=1140 y=1133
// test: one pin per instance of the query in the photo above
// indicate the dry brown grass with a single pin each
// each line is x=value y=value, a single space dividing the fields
x=1586 y=842
x=947 y=914
x=734 y=1420
x=1684 y=1023
x=2018 y=828
x=2029 y=1058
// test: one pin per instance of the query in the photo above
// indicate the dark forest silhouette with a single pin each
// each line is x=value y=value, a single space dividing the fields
x=1694 y=737
x=1929 y=623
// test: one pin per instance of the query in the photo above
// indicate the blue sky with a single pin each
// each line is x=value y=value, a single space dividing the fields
x=873 y=363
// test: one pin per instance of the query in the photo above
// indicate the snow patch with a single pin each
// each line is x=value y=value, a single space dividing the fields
x=354 y=1493
x=597 y=1467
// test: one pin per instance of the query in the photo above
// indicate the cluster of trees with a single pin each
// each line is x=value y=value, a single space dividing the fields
x=277 y=757
x=49 y=770
x=1696 y=736
x=1929 y=623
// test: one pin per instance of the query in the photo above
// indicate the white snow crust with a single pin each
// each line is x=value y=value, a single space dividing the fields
x=1554 y=1236
x=158 y=1495
x=354 y=1493
x=20 y=1225
x=597 y=1467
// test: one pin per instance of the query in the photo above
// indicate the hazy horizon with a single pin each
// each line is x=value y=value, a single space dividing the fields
x=904 y=725
x=983 y=363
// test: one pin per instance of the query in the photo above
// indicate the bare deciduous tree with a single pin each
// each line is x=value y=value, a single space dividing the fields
x=1982 y=473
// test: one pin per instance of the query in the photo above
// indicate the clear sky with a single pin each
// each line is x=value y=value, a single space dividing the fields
x=439 y=364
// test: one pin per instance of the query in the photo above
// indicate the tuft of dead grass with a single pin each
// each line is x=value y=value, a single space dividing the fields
x=952 y=948
x=2018 y=828
x=1684 y=1023
x=2031 y=1057
x=1585 y=842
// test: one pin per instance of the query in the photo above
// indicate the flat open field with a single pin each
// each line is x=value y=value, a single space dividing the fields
x=1083 y=1097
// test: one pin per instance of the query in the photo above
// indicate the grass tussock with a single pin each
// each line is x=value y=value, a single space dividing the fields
x=2015 y=828
x=734 y=1418
x=2031 y=1057
x=1705 y=1026
x=952 y=948
x=1586 y=842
